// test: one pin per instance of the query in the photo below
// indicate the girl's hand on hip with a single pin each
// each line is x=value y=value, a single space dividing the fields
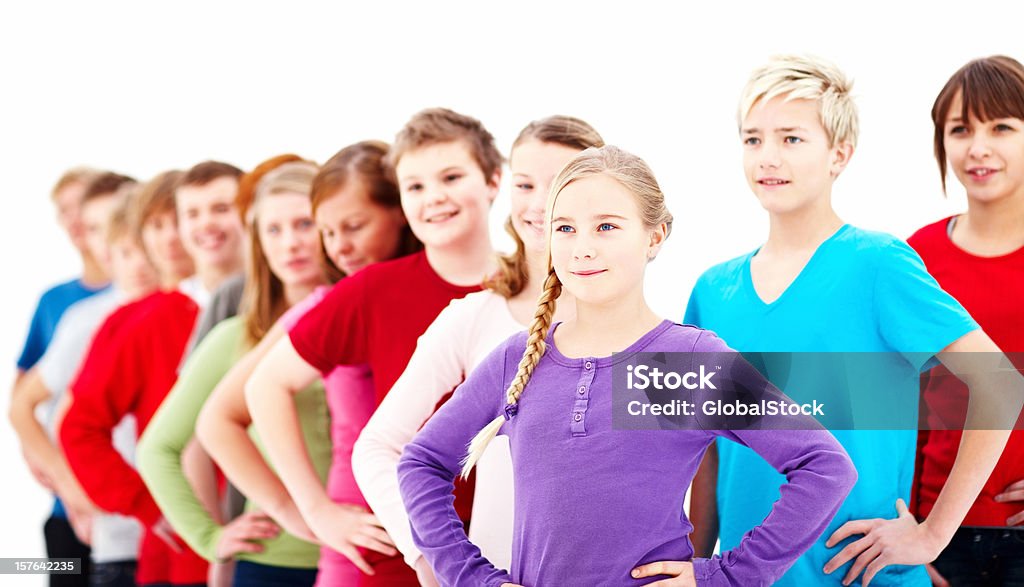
x=1013 y=492
x=347 y=527
x=680 y=573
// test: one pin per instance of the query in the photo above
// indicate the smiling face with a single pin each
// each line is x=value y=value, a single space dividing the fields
x=210 y=228
x=599 y=244
x=986 y=156
x=787 y=159
x=445 y=196
x=356 y=230
x=534 y=166
x=289 y=239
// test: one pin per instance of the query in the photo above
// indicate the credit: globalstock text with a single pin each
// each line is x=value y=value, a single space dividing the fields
x=644 y=377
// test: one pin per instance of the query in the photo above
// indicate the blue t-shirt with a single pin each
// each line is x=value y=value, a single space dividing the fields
x=861 y=291
x=50 y=308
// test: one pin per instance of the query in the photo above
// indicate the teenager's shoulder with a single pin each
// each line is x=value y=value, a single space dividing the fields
x=930 y=235
x=67 y=292
x=92 y=308
x=484 y=305
x=861 y=240
x=395 y=270
x=155 y=313
x=727 y=272
x=677 y=337
x=379 y=277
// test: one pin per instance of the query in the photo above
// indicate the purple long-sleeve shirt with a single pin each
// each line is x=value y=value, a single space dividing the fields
x=593 y=502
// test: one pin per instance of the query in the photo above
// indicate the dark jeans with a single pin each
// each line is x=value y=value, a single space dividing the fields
x=61 y=542
x=986 y=557
x=249 y=574
x=116 y=574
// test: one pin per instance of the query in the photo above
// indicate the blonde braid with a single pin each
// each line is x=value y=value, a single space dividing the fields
x=535 y=348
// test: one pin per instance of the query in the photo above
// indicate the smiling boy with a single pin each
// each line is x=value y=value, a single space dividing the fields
x=135 y=356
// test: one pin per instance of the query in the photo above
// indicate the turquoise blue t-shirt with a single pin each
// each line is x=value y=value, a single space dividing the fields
x=861 y=291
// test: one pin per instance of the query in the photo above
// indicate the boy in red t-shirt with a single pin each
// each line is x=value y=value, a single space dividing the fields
x=448 y=171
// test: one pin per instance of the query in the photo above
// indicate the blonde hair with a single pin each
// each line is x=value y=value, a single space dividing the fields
x=512 y=274
x=122 y=217
x=76 y=175
x=636 y=176
x=809 y=78
x=263 y=295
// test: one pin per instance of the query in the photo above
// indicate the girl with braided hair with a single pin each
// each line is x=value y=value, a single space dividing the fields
x=595 y=505
x=459 y=338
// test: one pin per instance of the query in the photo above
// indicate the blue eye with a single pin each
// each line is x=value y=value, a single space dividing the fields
x=793 y=140
x=564 y=228
x=752 y=141
x=524 y=186
x=606 y=227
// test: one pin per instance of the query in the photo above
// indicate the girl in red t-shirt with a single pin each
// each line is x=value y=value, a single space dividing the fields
x=978 y=257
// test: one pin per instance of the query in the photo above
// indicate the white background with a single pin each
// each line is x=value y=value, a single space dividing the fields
x=140 y=87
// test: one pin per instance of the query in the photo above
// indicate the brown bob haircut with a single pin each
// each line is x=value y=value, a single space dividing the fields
x=990 y=88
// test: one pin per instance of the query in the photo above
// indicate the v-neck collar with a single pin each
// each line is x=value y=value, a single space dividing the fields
x=748 y=278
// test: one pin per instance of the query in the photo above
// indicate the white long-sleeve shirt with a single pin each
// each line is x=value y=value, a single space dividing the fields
x=460 y=337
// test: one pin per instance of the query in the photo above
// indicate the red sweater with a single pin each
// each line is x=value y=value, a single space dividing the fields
x=130 y=367
x=375 y=318
x=991 y=289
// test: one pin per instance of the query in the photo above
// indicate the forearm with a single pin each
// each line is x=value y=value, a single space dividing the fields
x=979 y=451
x=272 y=407
x=994 y=404
x=109 y=481
x=228 y=443
x=35 y=442
x=819 y=476
x=394 y=424
x=160 y=464
x=375 y=466
x=201 y=474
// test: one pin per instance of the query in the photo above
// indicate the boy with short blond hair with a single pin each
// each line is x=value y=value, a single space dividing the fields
x=821 y=285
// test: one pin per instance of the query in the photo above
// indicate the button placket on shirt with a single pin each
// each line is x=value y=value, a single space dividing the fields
x=578 y=418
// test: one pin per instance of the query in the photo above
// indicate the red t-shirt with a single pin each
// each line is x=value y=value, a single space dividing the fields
x=129 y=369
x=375 y=318
x=991 y=289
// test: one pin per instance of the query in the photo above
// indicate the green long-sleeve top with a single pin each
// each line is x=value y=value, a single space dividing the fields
x=173 y=426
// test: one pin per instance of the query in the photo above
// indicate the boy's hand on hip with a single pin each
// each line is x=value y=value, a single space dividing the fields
x=900 y=541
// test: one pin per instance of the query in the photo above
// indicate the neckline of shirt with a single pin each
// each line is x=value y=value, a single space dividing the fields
x=638 y=346
x=748 y=277
x=947 y=232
